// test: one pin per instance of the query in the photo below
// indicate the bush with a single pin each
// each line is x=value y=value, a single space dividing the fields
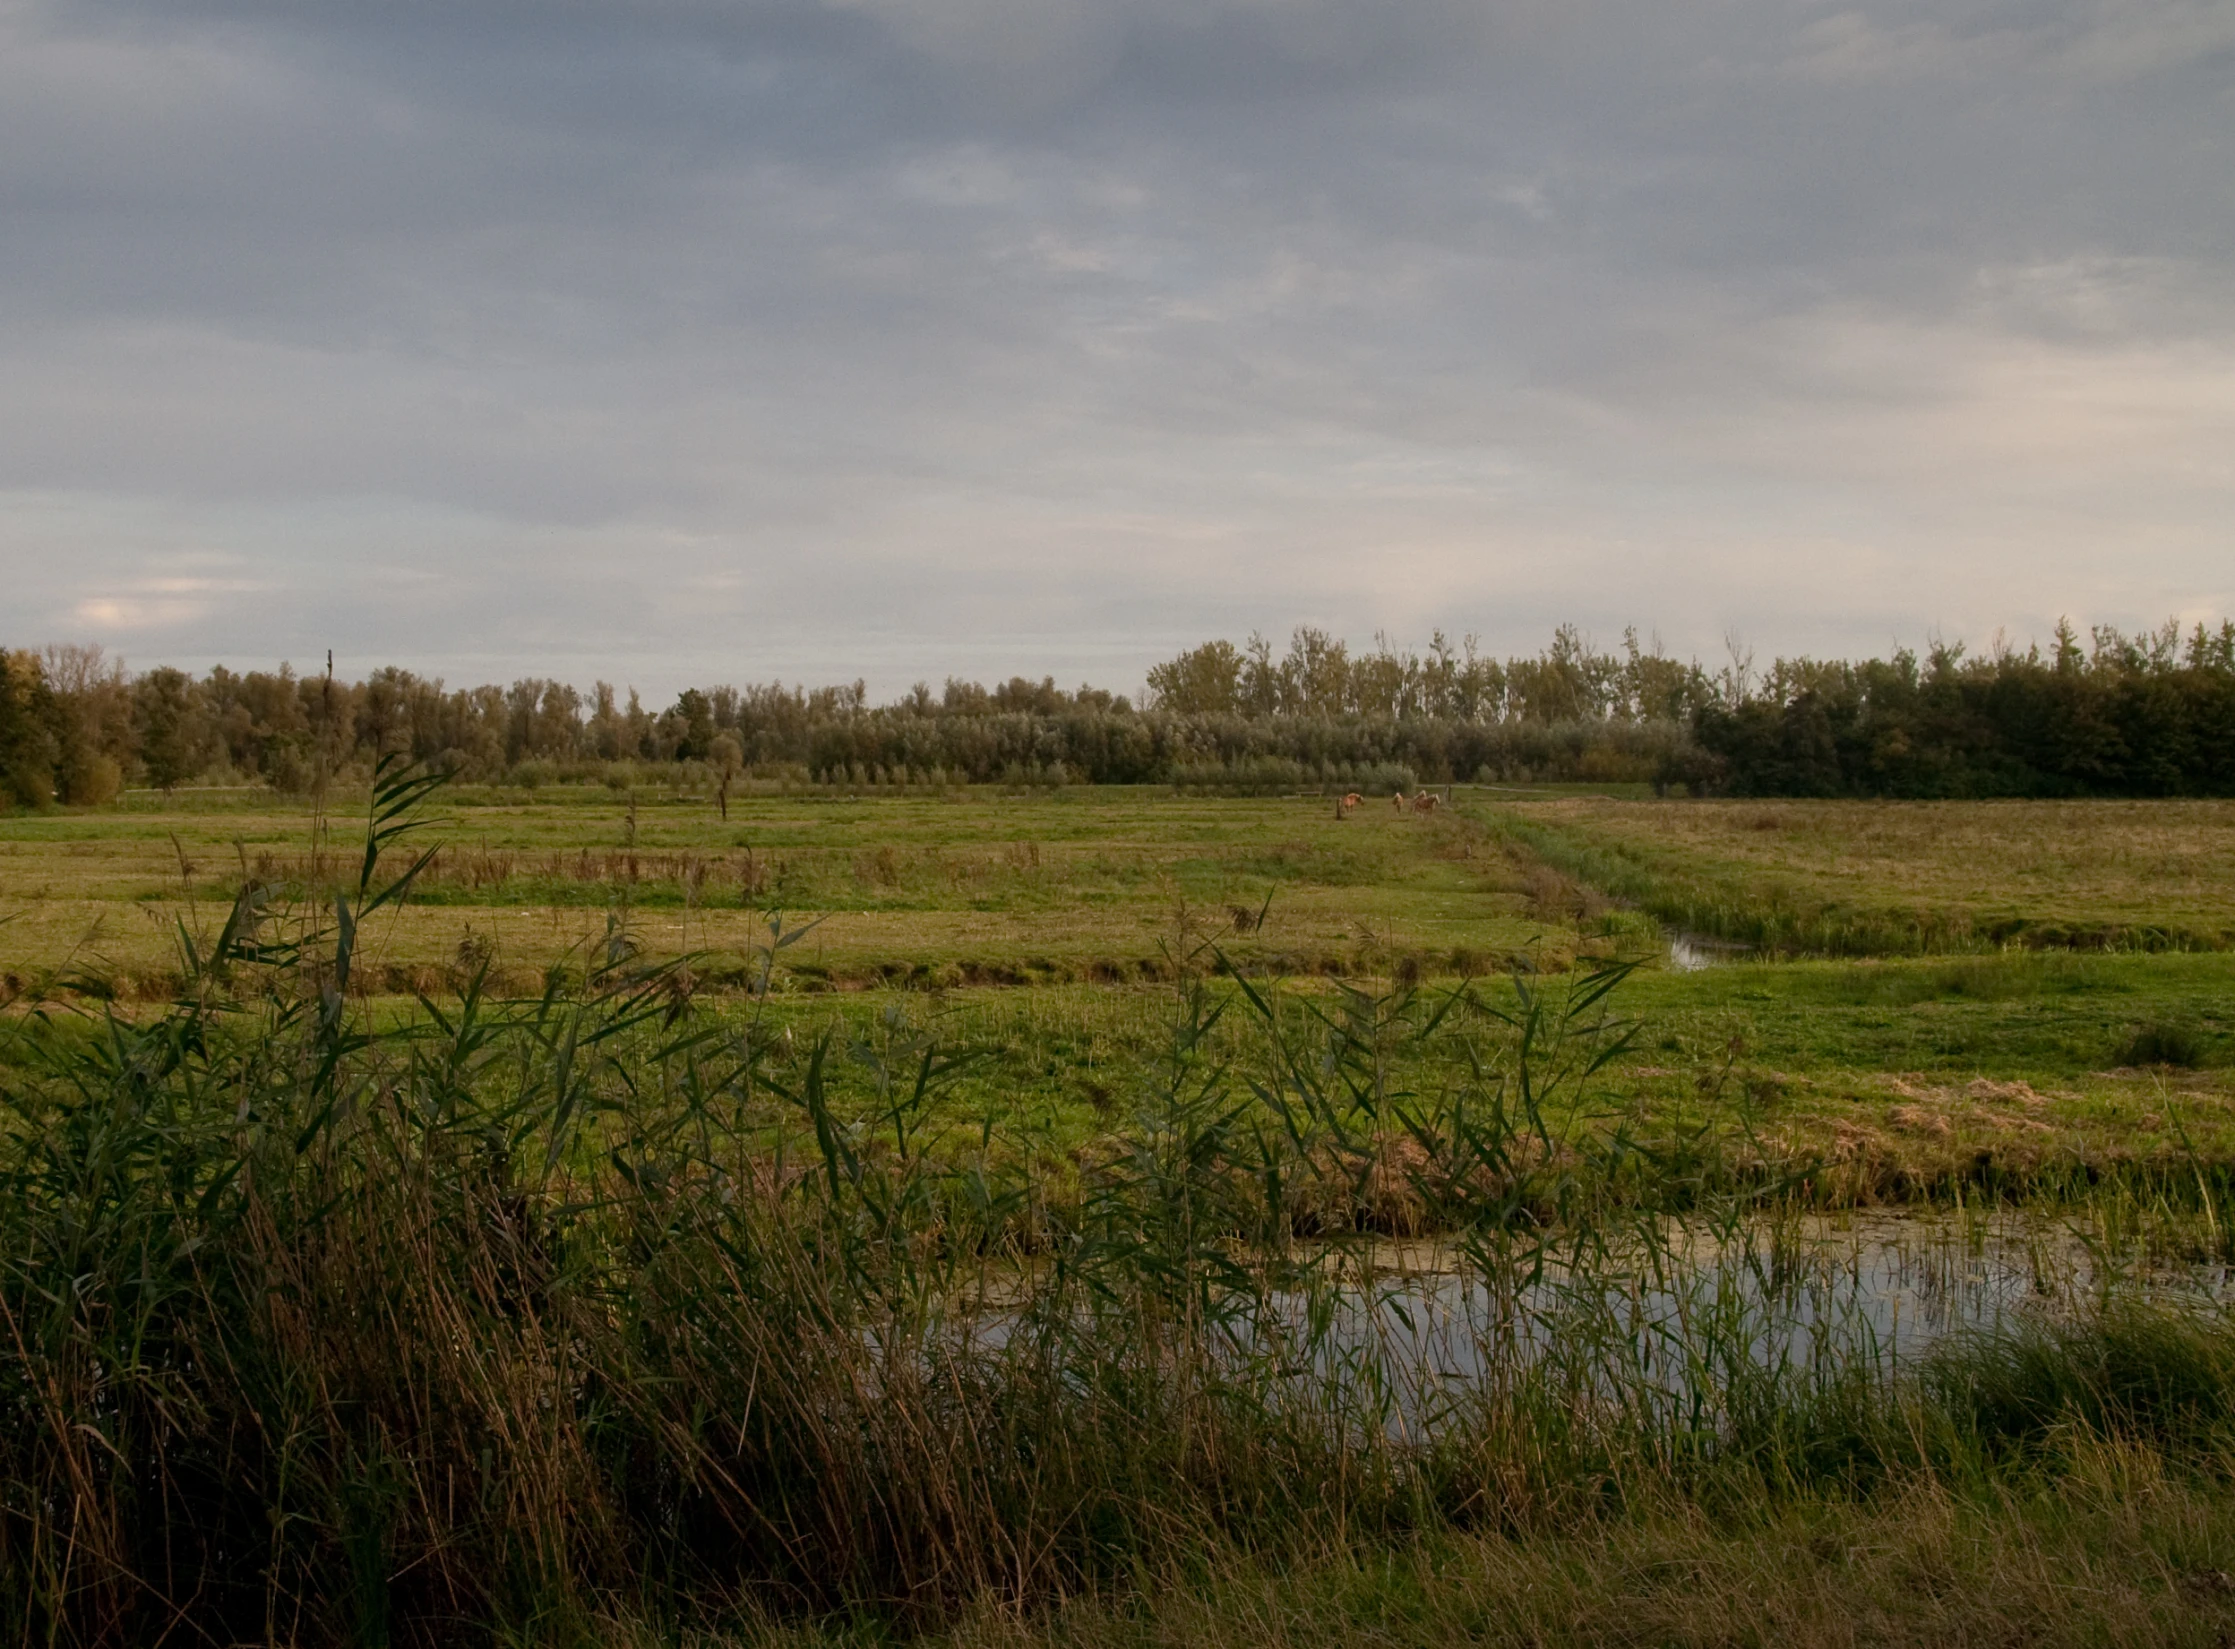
x=26 y=784
x=2163 y=1044
x=1254 y=775
x=1382 y=778
x=288 y=769
x=92 y=781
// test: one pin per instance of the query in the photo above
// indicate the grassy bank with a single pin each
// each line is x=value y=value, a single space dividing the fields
x=1905 y=1080
x=2114 y=1551
x=559 y=1322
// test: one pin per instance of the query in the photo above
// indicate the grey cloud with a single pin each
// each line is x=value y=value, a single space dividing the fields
x=916 y=335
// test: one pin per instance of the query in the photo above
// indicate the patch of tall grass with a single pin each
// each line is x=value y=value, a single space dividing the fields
x=2115 y=1554
x=521 y=1316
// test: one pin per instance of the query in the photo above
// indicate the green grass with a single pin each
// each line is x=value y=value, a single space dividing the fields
x=1898 y=878
x=2060 y=1019
x=1040 y=931
x=958 y=886
x=1827 y=1056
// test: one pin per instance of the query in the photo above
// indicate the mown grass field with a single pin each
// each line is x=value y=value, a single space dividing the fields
x=956 y=888
x=1041 y=930
x=1876 y=878
x=970 y=886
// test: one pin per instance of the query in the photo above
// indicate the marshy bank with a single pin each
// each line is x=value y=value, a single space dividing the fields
x=515 y=1327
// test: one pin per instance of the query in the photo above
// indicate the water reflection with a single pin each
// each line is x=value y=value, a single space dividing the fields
x=1675 y=1321
x=1690 y=952
x=1818 y=1298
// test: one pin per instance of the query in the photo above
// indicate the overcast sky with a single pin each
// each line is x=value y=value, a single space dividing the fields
x=693 y=340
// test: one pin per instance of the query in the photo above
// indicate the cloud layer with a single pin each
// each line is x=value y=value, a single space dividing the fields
x=677 y=340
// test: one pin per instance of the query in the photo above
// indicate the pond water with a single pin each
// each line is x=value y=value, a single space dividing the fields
x=1410 y=1331
x=1808 y=1299
x=1896 y=1280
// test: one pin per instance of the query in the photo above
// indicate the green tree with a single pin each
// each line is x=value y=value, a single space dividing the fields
x=27 y=743
x=166 y=725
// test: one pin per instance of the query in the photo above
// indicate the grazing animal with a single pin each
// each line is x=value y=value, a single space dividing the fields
x=1348 y=802
x=1398 y=801
x=1426 y=802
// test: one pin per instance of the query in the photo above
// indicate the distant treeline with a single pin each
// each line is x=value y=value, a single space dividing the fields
x=76 y=726
x=2146 y=715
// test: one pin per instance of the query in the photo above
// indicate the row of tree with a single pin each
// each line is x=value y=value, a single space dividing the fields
x=2144 y=715
x=75 y=726
x=2152 y=714
x=1319 y=677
